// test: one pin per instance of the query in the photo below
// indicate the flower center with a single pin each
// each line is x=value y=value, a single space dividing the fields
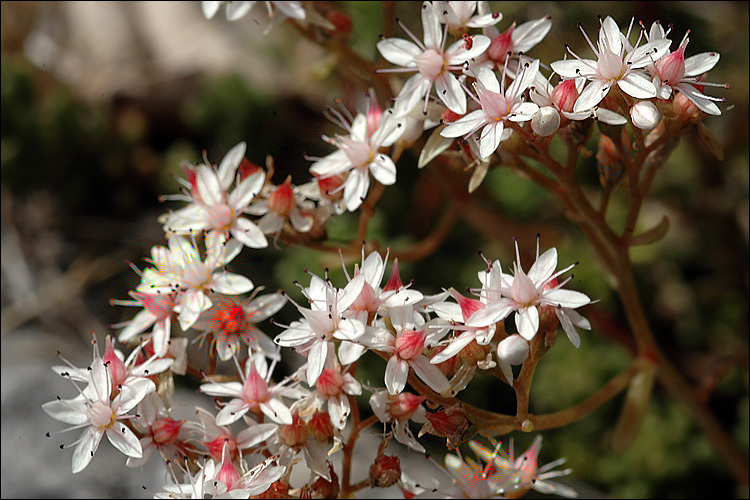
x=100 y=415
x=431 y=63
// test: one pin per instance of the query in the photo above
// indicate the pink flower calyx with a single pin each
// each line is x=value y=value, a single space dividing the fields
x=468 y=306
x=394 y=281
x=227 y=473
x=671 y=68
x=320 y=426
x=165 y=430
x=247 y=168
x=410 y=344
x=501 y=46
x=565 y=95
x=282 y=199
x=294 y=434
x=404 y=405
x=329 y=382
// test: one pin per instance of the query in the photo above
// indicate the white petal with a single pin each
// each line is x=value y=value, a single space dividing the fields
x=142 y=320
x=355 y=189
x=124 y=440
x=700 y=63
x=208 y=186
x=230 y=283
x=465 y=124
x=490 y=139
x=573 y=68
x=276 y=411
x=637 y=86
x=527 y=322
x=396 y=372
x=248 y=233
x=591 y=95
x=699 y=99
x=227 y=389
x=316 y=360
x=544 y=266
x=86 y=448
x=67 y=410
x=399 y=51
x=383 y=169
x=228 y=165
x=451 y=93
x=430 y=374
x=433 y=33
x=566 y=298
x=248 y=189
x=454 y=347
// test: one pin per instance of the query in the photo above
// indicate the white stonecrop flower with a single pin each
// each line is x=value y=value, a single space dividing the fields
x=359 y=155
x=179 y=268
x=99 y=414
x=498 y=105
x=283 y=203
x=617 y=63
x=459 y=16
x=238 y=9
x=212 y=207
x=674 y=72
x=253 y=394
x=324 y=322
x=524 y=294
x=158 y=309
x=433 y=62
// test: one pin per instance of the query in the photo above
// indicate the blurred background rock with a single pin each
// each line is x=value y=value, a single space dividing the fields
x=102 y=100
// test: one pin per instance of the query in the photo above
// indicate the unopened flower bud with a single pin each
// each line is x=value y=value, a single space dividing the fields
x=294 y=434
x=166 y=430
x=513 y=350
x=216 y=446
x=450 y=423
x=474 y=353
x=501 y=45
x=282 y=199
x=565 y=95
x=671 y=68
x=645 y=115
x=329 y=382
x=320 y=426
x=686 y=110
x=246 y=169
x=403 y=406
x=409 y=344
x=385 y=471
x=546 y=121
x=323 y=488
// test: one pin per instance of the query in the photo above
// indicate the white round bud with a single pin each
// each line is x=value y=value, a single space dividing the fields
x=645 y=115
x=513 y=350
x=546 y=121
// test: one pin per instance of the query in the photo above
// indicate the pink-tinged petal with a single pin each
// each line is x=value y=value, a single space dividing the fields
x=451 y=93
x=349 y=352
x=465 y=125
x=527 y=76
x=544 y=267
x=230 y=283
x=566 y=298
x=248 y=233
x=454 y=347
x=490 y=314
x=390 y=129
x=383 y=169
x=396 y=373
x=316 y=360
x=351 y=291
x=355 y=188
x=699 y=99
x=430 y=374
x=490 y=139
x=133 y=393
x=248 y=189
x=69 y=411
x=399 y=51
x=100 y=380
x=256 y=434
x=276 y=411
x=339 y=409
x=433 y=33
x=591 y=95
x=700 y=63
x=191 y=217
x=637 y=86
x=142 y=320
x=527 y=322
x=86 y=448
x=124 y=440
x=208 y=186
x=226 y=389
x=351 y=385
x=574 y=68
x=228 y=166
x=233 y=411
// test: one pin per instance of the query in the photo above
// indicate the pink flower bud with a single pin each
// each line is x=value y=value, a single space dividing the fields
x=671 y=69
x=385 y=471
x=403 y=406
x=513 y=350
x=232 y=316
x=468 y=306
x=294 y=434
x=165 y=430
x=474 y=353
x=114 y=364
x=329 y=382
x=228 y=473
x=565 y=95
x=282 y=199
x=394 y=282
x=216 y=446
x=320 y=426
x=246 y=169
x=645 y=115
x=501 y=45
x=409 y=344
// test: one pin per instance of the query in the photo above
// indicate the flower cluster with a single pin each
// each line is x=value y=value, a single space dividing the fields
x=486 y=90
